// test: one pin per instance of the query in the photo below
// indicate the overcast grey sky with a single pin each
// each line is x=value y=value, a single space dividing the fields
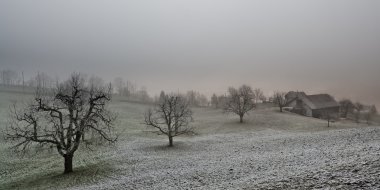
x=317 y=46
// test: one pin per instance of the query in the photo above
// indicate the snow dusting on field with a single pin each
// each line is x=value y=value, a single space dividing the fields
x=271 y=150
x=341 y=159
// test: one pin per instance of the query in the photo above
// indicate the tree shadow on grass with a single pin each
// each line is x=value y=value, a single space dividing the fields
x=82 y=175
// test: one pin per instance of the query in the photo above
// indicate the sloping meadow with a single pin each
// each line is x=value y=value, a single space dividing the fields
x=269 y=150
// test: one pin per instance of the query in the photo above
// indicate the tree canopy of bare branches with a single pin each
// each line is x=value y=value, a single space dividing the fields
x=171 y=117
x=59 y=117
x=279 y=99
x=240 y=101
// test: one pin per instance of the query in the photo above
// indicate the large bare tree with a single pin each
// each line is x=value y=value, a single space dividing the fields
x=240 y=101
x=59 y=117
x=279 y=99
x=171 y=117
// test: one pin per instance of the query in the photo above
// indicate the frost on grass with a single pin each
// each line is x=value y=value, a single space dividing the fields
x=268 y=159
x=271 y=150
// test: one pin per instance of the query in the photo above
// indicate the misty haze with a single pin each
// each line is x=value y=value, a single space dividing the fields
x=200 y=94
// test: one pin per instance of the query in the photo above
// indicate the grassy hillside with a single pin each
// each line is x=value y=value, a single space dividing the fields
x=138 y=149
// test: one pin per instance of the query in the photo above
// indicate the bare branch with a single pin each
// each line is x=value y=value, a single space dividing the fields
x=61 y=116
x=240 y=101
x=279 y=99
x=171 y=116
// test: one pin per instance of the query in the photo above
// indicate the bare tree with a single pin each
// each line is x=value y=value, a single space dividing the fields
x=358 y=109
x=258 y=95
x=370 y=114
x=214 y=101
x=263 y=98
x=60 y=116
x=346 y=107
x=171 y=117
x=279 y=99
x=192 y=98
x=240 y=101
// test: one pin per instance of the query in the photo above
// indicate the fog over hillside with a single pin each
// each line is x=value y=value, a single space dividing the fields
x=205 y=45
x=189 y=94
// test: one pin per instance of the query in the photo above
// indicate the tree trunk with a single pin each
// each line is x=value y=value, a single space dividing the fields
x=68 y=163
x=170 y=141
x=241 y=119
x=328 y=123
x=280 y=108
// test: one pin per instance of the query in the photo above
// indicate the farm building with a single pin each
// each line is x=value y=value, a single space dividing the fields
x=318 y=105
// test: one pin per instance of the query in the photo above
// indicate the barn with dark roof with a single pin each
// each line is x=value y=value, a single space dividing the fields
x=318 y=105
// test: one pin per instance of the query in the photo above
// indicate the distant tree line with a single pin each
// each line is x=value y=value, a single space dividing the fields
x=9 y=77
x=194 y=98
x=130 y=90
x=357 y=111
x=351 y=110
x=220 y=101
x=13 y=78
x=62 y=113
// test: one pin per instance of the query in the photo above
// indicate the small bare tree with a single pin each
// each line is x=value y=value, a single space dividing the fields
x=58 y=117
x=171 y=117
x=258 y=95
x=370 y=114
x=358 y=109
x=240 y=101
x=279 y=99
x=214 y=101
x=346 y=107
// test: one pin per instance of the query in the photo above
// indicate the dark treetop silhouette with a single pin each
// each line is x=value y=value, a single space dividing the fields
x=60 y=117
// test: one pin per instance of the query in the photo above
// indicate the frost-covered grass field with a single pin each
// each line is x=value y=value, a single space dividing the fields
x=271 y=150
